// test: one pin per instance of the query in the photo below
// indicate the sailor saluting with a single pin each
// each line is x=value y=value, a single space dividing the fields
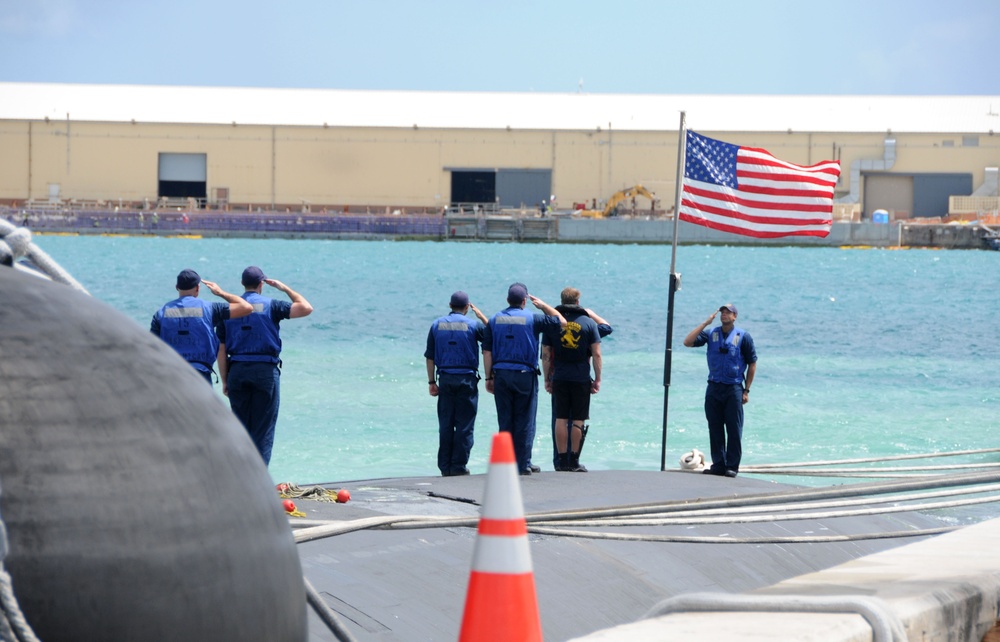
x=187 y=323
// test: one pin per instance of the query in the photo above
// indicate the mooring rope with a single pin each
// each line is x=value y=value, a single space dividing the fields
x=546 y=523
x=861 y=460
x=16 y=245
x=13 y=626
x=288 y=490
x=408 y=522
x=773 y=517
x=873 y=471
x=836 y=503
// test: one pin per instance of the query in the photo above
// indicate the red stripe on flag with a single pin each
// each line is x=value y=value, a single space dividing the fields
x=774 y=191
x=730 y=197
x=830 y=168
x=754 y=218
x=789 y=178
x=742 y=231
x=503 y=527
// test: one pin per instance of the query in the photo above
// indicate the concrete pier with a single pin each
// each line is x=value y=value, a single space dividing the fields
x=661 y=230
x=498 y=228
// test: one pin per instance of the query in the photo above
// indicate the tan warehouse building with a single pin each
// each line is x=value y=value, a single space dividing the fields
x=416 y=151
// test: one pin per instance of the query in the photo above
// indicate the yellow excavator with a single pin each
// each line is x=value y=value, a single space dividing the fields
x=611 y=208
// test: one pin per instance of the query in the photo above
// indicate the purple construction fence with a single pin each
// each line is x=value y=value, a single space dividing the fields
x=209 y=222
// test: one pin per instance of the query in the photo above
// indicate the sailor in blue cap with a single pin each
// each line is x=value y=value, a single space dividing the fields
x=453 y=351
x=249 y=357
x=510 y=359
x=732 y=363
x=187 y=323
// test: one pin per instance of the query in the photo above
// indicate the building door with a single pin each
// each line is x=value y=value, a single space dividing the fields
x=892 y=192
x=931 y=192
x=524 y=187
x=473 y=186
x=183 y=176
x=513 y=188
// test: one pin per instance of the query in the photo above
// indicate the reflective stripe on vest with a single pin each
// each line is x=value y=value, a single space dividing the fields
x=177 y=313
x=514 y=340
x=455 y=345
x=186 y=325
x=254 y=337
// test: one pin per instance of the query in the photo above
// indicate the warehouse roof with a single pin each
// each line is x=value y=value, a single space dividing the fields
x=481 y=110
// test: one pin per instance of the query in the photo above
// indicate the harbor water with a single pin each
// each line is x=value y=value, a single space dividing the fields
x=861 y=352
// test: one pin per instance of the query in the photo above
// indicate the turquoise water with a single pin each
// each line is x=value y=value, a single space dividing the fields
x=862 y=352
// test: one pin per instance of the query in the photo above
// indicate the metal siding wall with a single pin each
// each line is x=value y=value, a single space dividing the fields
x=517 y=187
x=406 y=167
x=16 y=144
x=931 y=192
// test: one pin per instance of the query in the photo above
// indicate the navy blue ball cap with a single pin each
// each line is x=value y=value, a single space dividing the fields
x=252 y=276
x=730 y=307
x=459 y=299
x=517 y=293
x=187 y=280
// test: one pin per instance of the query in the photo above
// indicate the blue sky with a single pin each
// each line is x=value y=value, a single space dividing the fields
x=623 y=46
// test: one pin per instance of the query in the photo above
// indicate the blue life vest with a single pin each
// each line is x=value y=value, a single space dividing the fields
x=725 y=358
x=455 y=344
x=186 y=324
x=255 y=336
x=515 y=339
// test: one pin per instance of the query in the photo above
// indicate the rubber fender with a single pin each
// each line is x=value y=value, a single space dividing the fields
x=135 y=504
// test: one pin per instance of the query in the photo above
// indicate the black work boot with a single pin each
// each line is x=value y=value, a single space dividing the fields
x=575 y=465
x=563 y=464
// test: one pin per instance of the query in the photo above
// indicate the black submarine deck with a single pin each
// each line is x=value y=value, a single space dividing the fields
x=411 y=584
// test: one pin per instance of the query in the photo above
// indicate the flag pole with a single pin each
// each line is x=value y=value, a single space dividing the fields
x=674 y=285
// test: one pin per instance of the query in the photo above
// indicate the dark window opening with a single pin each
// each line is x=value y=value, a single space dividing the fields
x=183 y=189
x=473 y=187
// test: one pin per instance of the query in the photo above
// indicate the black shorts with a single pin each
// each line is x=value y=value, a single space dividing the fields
x=571 y=399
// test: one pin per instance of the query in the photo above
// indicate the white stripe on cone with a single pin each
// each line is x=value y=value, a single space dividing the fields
x=502 y=498
x=506 y=555
x=501 y=605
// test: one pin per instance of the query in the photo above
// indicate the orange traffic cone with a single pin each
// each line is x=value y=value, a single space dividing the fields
x=501 y=602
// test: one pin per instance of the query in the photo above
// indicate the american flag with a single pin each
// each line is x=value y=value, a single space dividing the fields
x=748 y=191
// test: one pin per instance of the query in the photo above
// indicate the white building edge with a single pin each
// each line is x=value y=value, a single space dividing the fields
x=978 y=115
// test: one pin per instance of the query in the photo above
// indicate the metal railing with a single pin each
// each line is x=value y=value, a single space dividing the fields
x=473 y=209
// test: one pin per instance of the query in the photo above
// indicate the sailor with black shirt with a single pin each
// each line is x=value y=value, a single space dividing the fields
x=566 y=358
